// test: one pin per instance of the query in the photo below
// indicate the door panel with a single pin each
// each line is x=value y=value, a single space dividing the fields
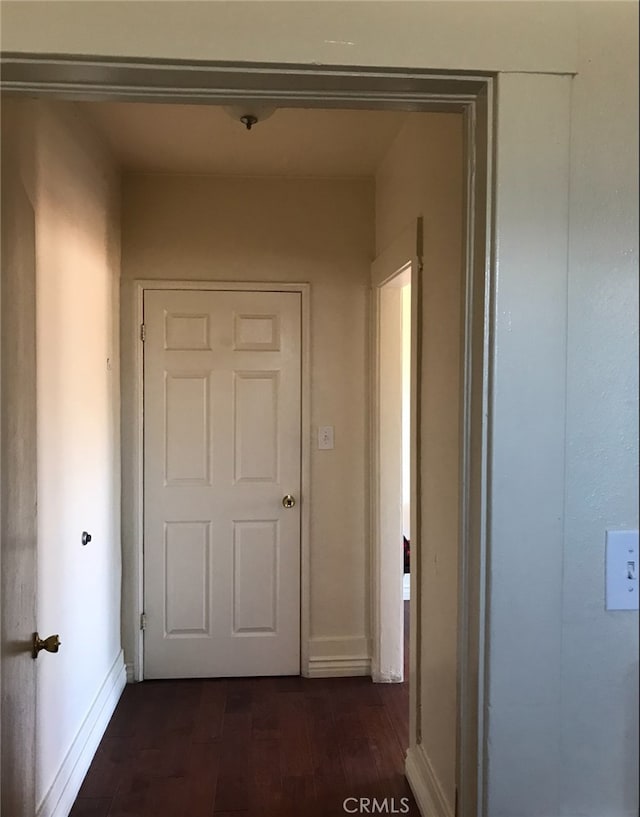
x=222 y=448
x=187 y=557
x=256 y=403
x=255 y=577
x=187 y=429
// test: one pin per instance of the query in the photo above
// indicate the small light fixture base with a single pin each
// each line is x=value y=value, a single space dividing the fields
x=249 y=112
x=248 y=120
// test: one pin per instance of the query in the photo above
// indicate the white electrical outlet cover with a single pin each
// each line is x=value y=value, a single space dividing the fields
x=325 y=438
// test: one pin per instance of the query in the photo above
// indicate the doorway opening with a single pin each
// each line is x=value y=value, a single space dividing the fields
x=470 y=96
x=392 y=501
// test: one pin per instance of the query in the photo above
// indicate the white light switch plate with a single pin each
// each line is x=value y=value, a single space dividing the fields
x=622 y=570
x=325 y=438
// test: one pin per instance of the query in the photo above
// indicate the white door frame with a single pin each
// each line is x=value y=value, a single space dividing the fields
x=86 y=78
x=136 y=581
x=402 y=254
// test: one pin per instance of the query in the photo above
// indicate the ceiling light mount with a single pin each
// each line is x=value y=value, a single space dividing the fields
x=249 y=120
x=249 y=112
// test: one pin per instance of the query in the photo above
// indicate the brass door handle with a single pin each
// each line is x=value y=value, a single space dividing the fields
x=51 y=644
x=288 y=501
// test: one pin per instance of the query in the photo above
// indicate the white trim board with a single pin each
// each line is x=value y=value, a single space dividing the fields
x=425 y=785
x=135 y=581
x=59 y=799
x=338 y=666
x=397 y=266
x=131 y=673
x=336 y=657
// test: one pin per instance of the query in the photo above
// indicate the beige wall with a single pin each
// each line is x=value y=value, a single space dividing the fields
x=77 y=263
x=599 y=673
x=490 y=36
x=422 y=175
x=321 y=232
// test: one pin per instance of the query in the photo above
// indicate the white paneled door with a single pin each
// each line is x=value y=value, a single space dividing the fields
x=222 y=398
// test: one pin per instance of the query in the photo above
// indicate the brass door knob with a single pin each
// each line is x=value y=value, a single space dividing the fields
x=288 y=501
x=51 y=644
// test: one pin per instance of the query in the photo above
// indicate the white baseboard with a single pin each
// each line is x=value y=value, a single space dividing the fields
x=385 y=677
x=59 y=800
x=344 y=656
x=425 y=786
x=131 y=673
x=338 y=667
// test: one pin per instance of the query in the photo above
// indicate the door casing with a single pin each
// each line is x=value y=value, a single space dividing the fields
x=136 y=671
x=401 y=261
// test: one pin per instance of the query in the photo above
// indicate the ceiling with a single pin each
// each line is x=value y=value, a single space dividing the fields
x=207 y=139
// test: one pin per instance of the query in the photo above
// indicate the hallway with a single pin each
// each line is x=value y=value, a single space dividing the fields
x=282 y=747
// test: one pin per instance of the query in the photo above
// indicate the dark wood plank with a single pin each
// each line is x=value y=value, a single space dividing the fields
x=238 y=700
x=232 y=791
x=265 y=722
x=213 y=701
x=238 y=814
x=387 y=753
x=323 y=735
x=150 y=718
x=266 y=793
x=91 y=807
x=290 y=683
x=105 y=775
x=299 y=796
x=331 y=782
x=353 y=744
x=165 y=797
x=388 y=756
x=130 y=799
x=396 y=702
x=123 y=720
x=202 y=778
x=181 y=716
x=294 y=736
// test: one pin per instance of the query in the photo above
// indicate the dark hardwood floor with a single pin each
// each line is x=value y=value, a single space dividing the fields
x=278 y=747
